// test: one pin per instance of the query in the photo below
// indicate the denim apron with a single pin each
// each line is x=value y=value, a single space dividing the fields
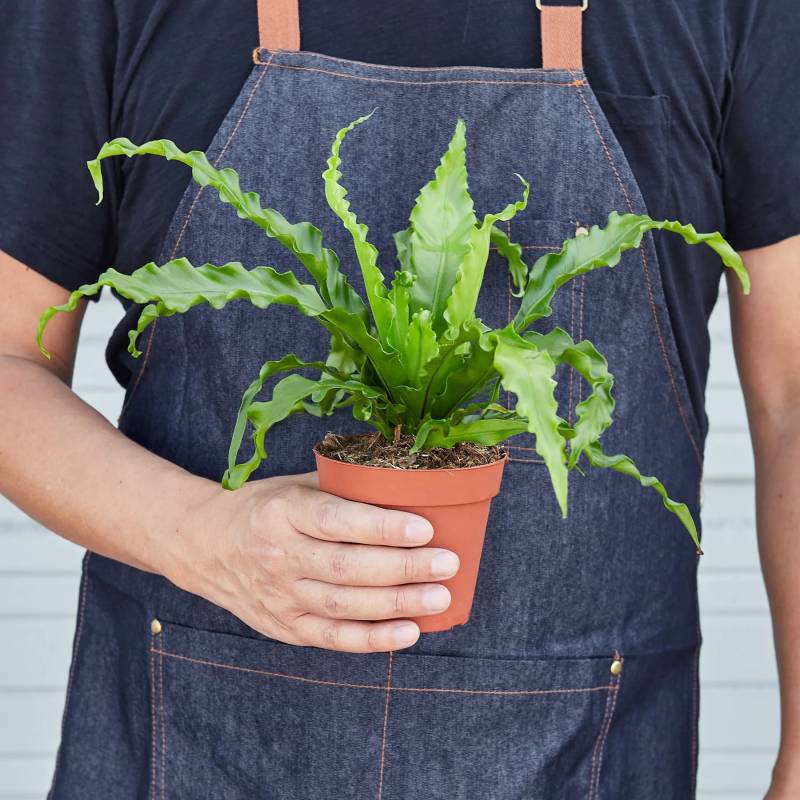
x=576 y=676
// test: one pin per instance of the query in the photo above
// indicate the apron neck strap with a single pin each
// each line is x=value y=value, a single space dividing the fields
x=278 y=24
x=562 y=31
x=562 y=36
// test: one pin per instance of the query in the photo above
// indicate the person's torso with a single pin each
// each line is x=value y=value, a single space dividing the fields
x=520 y=700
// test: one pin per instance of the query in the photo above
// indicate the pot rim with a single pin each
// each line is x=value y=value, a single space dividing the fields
x=404 y=470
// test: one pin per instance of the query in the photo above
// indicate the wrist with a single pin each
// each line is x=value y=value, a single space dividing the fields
x=177 y=530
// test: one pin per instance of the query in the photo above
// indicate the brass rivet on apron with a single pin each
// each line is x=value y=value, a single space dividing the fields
x=155 y=627
x=616 y=667
x=581 y=230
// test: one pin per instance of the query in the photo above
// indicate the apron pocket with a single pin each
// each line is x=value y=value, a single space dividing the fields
x=642 y=125
x=235 y=717
x=496 y=729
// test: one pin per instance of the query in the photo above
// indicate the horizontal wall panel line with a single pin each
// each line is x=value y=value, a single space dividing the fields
x=734 y=481
x=707 y=567
x=740 y=428
x=723 y=384
x=710 y=683
x=749 y=615
x=99 y=388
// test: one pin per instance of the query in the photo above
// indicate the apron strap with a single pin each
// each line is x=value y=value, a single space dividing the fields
x=562 y=31
x=562 y=36
x=278 y=24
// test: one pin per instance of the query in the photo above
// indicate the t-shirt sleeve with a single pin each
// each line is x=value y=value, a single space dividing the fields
x=760 y=142
x=56 y=72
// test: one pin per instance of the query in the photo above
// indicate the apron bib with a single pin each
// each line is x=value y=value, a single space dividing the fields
x=576 y=676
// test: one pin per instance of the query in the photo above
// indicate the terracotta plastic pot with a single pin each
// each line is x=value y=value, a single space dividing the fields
x=455 y=501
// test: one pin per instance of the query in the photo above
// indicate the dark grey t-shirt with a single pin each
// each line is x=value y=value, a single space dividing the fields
x=701 y=93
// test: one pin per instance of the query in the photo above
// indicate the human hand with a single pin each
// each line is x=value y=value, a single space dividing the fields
x=309 y=568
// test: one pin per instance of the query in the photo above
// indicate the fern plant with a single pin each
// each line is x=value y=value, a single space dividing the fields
x=414 y=358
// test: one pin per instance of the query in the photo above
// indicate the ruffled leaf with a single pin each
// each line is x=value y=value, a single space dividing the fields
x=624 y=465
x=367 y=254
x=400 y=299
x=528 y=372
x=465 y=365
x=463 y=298
x=420 y=348
x=442 y=222
x=302 y=239
x=270 y=368
x=177 y=286
x=441 y=433
x=512 y=253
x=288 y=398
x=603 y=247
x=594 y=414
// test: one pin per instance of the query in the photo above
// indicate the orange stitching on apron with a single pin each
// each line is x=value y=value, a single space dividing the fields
x=384 y=687
x=185 y=224
x=570 y=85
x=605 y=727
x=525 y=460
x=695 y=701
x=509 y=295
x=580 y=327
x=552 y=248
x=385 y=723
x=570 y=414
x=163 y=727
x=648 y=284
x=511 y=456
x=76 y=648
x=499 y=692
x=396 y=67
x=153 y=737
x=508 y=320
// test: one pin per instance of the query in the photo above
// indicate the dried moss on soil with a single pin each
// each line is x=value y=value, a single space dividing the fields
x=373 y=450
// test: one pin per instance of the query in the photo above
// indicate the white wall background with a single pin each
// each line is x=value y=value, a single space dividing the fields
x=739 y=709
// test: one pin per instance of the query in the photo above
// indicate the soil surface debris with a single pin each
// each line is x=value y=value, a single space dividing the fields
x=373 y=450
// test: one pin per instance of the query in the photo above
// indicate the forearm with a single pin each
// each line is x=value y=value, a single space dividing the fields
x=69 y=468
x=776 y=438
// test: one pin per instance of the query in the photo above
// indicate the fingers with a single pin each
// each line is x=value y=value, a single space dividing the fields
x=325 y=516
x=370 y=565
x=370 y=603
x=355 y=637
x=338 y=574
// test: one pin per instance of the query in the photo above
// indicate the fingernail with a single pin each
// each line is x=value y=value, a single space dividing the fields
x=435 y=598
x=405 y=634
x=418 y=531
x=445 y=564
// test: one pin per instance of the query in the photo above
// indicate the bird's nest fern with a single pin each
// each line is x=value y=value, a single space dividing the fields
x=414 y=357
